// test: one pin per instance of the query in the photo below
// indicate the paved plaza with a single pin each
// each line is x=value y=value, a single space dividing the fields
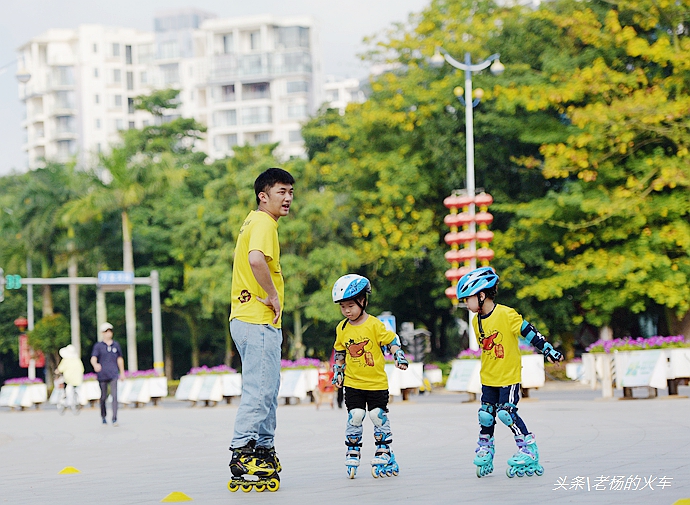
x=594 y=451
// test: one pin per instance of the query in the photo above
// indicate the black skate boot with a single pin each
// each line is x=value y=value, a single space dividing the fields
x=268 y=454
x=250 y=470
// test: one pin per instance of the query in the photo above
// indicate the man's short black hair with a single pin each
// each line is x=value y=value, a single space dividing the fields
x=270 y=178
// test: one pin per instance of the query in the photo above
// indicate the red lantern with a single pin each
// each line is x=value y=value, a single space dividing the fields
x=485 y=254
x=452 y=201
x=454 y=274
x=465 y=218
x=483 y=217
x=485 y=236
x=452 y=220
x=483 y=199
x=465 y=200
x=467 y=254
x=451 y=293
x=453 y=256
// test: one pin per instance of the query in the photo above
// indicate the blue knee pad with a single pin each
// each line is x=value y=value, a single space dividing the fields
x=356 y=417
x=378 y=417
x=486 y=415
x=507 y=413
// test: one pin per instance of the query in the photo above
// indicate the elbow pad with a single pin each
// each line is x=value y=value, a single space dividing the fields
x=532 y=336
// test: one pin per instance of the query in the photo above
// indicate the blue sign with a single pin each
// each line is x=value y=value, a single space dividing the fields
x=108 y=278
x=388 y=321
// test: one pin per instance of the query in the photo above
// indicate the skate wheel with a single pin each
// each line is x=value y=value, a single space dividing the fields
x=395 y=472
x=260 y=488
x=351 y=472
x=233 y=486
x=510 y=472
x=520 y=473
x=529 y=473
x=374 y=472
x=539 y=471
x=246 y=487
x=389 y=473
x=273 y=485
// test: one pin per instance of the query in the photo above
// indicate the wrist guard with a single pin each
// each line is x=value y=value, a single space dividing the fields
x=551 y=354
x=338 y=374
x=400 y=358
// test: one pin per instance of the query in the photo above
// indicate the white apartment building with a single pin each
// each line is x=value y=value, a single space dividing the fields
x=250 y=80
x=81 y=89
x=340 y=92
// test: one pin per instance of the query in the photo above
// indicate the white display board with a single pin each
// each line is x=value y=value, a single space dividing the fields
x=464 y=376
x=293 y=384
x=642 y=369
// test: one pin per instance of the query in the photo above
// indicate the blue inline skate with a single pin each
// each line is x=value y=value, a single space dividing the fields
x=383 y=464
x=251 y=471
x=526 y=460
x=354 y=445
x=484 y=458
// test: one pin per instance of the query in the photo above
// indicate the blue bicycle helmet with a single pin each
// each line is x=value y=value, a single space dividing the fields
x=350 y=286
x=475 y=281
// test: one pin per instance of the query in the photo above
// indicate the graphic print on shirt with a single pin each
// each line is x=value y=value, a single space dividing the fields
x=492 y=346
x=357 y=351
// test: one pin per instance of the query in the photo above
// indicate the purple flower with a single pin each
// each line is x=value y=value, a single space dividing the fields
x=22 y=380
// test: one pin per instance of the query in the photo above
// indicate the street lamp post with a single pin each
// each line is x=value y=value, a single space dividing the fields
x=470 y=103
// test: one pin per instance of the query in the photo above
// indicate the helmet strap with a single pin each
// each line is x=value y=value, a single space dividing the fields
x=362 y=306
x=479 y=313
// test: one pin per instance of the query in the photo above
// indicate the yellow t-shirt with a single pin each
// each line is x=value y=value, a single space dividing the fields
x=364 y=359
x=72 y=370
x=501 y=361
x=259 y=232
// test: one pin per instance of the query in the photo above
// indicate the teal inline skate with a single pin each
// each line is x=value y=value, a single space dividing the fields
x=526 y=460
x=484 y=458
x=354 y=445
x=383 y=464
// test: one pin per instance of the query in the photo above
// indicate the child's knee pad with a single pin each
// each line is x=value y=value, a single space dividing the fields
x=507 y=413
x=356 y=417
x=378 y=417
x=486 y=415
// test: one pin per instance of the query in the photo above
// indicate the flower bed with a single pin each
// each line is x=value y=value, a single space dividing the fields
x=300 y=363
x=142 y=374
x=470 y=354
x=204 y=370
x=22 y=380
x=637 y=344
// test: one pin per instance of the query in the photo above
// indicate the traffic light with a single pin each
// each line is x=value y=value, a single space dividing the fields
x=13 y=281
x=2 y=284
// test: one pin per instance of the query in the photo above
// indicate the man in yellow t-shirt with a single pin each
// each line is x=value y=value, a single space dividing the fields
x=359 y=367
x=255 y=325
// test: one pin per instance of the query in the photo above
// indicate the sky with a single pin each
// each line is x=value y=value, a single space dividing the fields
x=341 y=24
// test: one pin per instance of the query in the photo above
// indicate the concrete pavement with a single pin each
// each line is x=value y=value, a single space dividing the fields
x=594 y=451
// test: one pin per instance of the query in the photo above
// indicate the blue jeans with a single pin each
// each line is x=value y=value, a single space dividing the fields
x=259 y=347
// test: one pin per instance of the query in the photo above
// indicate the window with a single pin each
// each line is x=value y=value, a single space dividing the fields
x=64 y=99
x=295 y=136
x=117 y=100
x=225 y=118
x=255 y=41
x=296 y=62
x=98 y=124
x=130 y=106
x=98 y=147
x=224 y=142
x=145 y=53
x=66 y=147
x=128 y=55
x=96 y=99
x=131 y=125
x=64 y=76
x=227 y=93
x=256 y=90
x=227 y=43
x=297 y=111
x=116 y=49
x=95 y=48
x=256 y=115
x=171 y=73
x=95 y=73
x=168 y=50
x=119 y=124
x=65 y=124
x=143 y=78
x=292 y=36
x=117 y=75
x=259 y=138
x=297 y=86
x=130 y=80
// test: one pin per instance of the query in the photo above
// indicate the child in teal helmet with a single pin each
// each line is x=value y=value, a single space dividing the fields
x=499 y=329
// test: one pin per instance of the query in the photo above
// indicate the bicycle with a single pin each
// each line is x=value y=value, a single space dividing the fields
x=68 y=397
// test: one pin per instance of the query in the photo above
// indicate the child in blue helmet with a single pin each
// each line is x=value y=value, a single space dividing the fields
x=498 y=329
x=359 y=367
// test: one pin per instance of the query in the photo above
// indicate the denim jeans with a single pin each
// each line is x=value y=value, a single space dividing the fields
x=259 y=347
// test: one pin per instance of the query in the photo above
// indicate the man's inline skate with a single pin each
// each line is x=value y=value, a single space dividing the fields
x=484 y=458
x=249 y=470
x=383 y=464
x=526 y=460
x=354 y=445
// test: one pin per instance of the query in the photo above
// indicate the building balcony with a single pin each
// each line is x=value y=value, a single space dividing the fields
x=227 y=67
